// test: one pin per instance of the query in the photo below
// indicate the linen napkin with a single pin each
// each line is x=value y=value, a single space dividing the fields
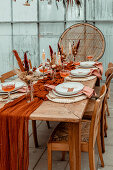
x=96 y=73
x=99 y=65
x=86 y=90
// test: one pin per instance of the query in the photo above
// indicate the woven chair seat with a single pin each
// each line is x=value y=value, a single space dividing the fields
x=60 y=134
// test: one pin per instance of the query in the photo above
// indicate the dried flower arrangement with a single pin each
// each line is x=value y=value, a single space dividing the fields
x=75 y=49
x=25 y=74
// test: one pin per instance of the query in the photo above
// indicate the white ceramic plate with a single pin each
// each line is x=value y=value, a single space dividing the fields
x=87 y=64
x=64 y=87
x=79 y=76
x=80 y=72
x=60 y=95
x=18 y=85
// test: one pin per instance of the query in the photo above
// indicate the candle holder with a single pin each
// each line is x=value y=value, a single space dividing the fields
x=29 y=92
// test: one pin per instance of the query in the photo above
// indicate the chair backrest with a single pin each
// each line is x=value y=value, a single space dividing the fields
x=91 y=39
x=109 y=76
x=7 y=75
x=95 y=122
x=108 y=72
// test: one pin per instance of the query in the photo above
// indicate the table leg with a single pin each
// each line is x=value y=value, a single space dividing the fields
x=75 y=146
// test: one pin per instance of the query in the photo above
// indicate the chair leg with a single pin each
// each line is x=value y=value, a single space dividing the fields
x=34 y=133
x=92 y=159
x=63 y=155
x=102 y=123
x=49 y=157
x=107 y=108
x=99 y=148
x=48 y=125
x=105 y=126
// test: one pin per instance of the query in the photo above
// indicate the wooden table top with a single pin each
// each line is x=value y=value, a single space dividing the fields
x=51 y=111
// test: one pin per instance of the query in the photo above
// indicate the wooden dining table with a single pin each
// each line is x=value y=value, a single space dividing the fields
x=72 y=113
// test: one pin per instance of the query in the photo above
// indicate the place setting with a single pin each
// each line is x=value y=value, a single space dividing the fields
x=9 y=90
x=86 y=71
x=69 y=92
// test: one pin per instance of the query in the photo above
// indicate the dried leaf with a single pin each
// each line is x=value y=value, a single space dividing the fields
x=18 y=60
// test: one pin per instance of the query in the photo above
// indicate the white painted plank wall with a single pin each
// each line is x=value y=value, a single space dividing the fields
x=25 y=35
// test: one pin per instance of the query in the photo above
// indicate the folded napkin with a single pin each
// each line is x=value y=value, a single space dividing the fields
x=96 y=73
x=86 y=90
x=99 y=66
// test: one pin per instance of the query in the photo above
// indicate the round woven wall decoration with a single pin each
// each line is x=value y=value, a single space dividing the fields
x=92 y=41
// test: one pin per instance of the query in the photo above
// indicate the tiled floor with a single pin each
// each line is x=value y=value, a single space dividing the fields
x=38 y=157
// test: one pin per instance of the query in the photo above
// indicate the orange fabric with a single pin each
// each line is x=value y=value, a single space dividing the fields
x=14 y=116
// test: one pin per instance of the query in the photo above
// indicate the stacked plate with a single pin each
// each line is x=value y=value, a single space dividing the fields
x=18 y=85
x=80 y=73
x=68 y=89
x=87 y=64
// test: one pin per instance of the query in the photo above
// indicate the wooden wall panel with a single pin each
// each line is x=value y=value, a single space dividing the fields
x=49 y=35
x=6 y=61
x=25 y=39
x=5 y=10
x=24 y=13
x=49 y=12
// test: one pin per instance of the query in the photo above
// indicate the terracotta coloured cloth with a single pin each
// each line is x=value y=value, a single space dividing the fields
x=100 y=66
x=14 y=116
x=96 y=73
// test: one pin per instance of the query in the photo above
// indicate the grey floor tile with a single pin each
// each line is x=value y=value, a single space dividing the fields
x=109 y=139
x=108 y=156
x=42 y=139
x=106 y=168
x=110 y=123
x=56 y=165
x=34 y=156
x=56 y=155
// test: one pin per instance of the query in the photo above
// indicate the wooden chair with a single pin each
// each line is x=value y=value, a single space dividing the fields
x=9 y=75
x=90 y=131
x=97 y=88
x=89 y=112
x=91 y=39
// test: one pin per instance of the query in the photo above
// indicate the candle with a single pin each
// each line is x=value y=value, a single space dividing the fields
x=43 y=58
x=59 y=60
x=69 y=47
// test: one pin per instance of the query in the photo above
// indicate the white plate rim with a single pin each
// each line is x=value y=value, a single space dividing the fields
x=66 y=96
x=85 y=74
x=79 y=76
x=87 y=66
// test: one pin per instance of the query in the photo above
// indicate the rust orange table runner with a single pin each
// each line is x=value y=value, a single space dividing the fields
x=14 y=116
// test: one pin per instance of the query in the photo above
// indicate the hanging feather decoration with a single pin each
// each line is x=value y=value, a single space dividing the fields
x=26 y=62
x=18 y=60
